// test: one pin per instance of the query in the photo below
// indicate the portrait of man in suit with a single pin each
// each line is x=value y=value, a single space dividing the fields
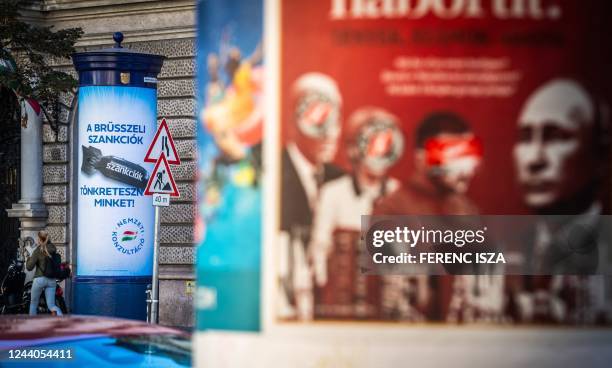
x=373 y=142
x=558 y=155
x=561 y=158
x=312 y=140
x=447 y=155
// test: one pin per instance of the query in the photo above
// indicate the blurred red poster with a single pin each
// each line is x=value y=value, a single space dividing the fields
x=434 y=107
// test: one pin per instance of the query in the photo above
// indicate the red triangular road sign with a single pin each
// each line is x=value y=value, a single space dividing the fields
x=163 y=143
x=161 y=180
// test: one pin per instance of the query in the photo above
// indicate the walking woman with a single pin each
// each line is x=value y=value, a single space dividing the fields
x=39 y=259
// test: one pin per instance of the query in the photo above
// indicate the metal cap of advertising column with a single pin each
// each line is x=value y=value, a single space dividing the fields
x=114 y=220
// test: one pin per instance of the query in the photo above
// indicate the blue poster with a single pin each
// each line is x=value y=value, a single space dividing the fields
x=230 y=74
x=115 y=218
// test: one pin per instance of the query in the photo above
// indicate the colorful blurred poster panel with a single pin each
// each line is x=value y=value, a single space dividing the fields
x=230 y=68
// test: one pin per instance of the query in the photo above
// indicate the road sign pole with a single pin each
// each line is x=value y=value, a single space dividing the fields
x=155 y=287
x=161 y=186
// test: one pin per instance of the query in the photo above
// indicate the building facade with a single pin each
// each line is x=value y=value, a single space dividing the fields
x=158 y=27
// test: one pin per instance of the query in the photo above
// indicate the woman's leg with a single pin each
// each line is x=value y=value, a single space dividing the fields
x=50 y=296
x=38 y=285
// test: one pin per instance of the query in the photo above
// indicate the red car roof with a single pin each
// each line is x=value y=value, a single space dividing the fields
x=24 y=327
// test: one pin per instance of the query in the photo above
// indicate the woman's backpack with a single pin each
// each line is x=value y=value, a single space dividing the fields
x=53 y=266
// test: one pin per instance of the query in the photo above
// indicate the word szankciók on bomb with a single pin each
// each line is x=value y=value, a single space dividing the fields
x=115 y=168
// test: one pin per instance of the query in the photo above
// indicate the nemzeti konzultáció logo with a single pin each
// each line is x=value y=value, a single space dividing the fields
x=128 y=236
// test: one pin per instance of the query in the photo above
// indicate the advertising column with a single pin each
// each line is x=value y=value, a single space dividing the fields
x=117 y=116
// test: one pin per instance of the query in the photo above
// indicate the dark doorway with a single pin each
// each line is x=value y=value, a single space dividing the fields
x=10 y=133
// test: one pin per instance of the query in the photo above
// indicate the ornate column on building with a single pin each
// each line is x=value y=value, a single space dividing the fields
x=30 y=209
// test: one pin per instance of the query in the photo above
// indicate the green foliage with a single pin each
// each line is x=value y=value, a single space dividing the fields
x=31 y=47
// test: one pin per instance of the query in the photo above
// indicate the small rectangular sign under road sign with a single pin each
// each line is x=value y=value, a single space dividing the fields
x=162 y=200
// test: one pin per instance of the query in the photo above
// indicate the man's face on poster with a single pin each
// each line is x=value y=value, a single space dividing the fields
x=379 y=145
x=317 y=120
x=453 y=160
x=554 y=155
